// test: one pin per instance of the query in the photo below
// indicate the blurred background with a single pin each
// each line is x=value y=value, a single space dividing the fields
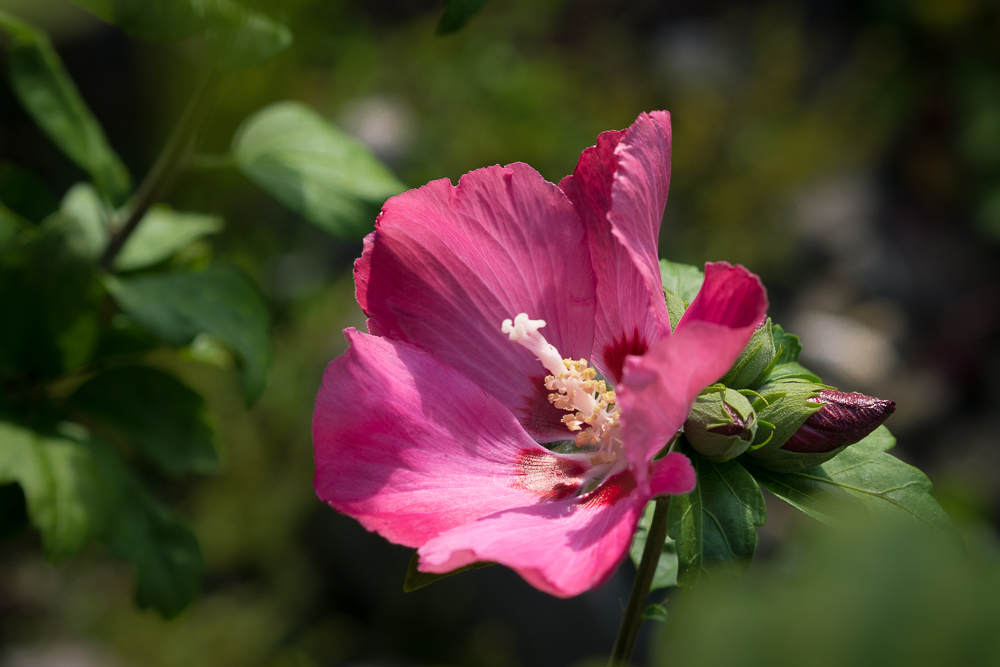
x=848 y=152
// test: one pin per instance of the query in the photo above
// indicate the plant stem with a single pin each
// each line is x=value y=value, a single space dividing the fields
x=632 y=620
x=176 y=152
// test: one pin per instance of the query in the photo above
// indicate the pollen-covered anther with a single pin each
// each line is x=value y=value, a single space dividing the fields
x=574 y=387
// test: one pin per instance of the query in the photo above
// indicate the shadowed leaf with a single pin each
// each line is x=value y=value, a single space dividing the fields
x=220 y=301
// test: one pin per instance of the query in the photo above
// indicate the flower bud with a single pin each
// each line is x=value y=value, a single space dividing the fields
x=844 y=420
x=722 y=424
x=813 y=423
x=784 y=405
x=754 y=362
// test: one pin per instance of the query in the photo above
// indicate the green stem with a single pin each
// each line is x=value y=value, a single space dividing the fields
x=175 y=154
x=632 y=620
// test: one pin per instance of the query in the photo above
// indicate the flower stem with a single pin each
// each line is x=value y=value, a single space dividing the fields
x=632 y=620
x=171 y=160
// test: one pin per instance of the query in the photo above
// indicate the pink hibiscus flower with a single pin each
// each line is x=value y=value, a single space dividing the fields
x=485 y=302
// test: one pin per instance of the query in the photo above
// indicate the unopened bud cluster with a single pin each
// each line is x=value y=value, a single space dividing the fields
x=777 y=413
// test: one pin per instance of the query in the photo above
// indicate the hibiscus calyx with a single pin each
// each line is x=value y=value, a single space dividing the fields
x=722 y=424
x=755 y=362
x=594 y=414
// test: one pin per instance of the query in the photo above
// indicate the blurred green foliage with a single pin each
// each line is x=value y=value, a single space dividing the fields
x=890 y=597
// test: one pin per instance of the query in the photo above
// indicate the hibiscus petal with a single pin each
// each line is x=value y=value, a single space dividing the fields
x=659 y=388
x=446 y=265
x=563 y=548
x=411 y=448
x=619 y=189
x=673 y=475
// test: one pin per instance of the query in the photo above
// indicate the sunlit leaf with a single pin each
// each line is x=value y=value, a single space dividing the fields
x=714 y=525
x=314 y=168
x=221 y=301
x=162 y=233
x=49 y=95
x=84 y=220
x=864 y=476
x=61 y=488
x=156 y=413
x=683 y=280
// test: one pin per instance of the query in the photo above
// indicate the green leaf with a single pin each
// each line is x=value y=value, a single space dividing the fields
x=50 y=298
x=683 y=280
x=415 y=579
x=792 y=370
x=77 y=488
x=237 y=36
x=863 y=476
x=148 y=19
x=714 y=525
x=666 y=568
x=314 y=168
x=457 y=13
x=675 y=307
x=24 y=194
x=13 y=510
x=788 y=345
x=165 y=553
x=48 y=94
x=11 y=224
x=163 y=233
x=84 y=220
x=220 y=301
x=156 y=413
x=63 y=493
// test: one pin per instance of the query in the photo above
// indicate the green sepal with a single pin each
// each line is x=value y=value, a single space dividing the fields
x=789 y=406
x=718 y=407
x=787 y=345
x=756 y=360
x=415 y=579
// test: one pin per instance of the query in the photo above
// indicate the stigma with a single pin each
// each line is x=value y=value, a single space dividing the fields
x=593 y=412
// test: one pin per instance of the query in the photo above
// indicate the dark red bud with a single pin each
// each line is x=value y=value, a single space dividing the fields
x=739 y=427
x=844 y=420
